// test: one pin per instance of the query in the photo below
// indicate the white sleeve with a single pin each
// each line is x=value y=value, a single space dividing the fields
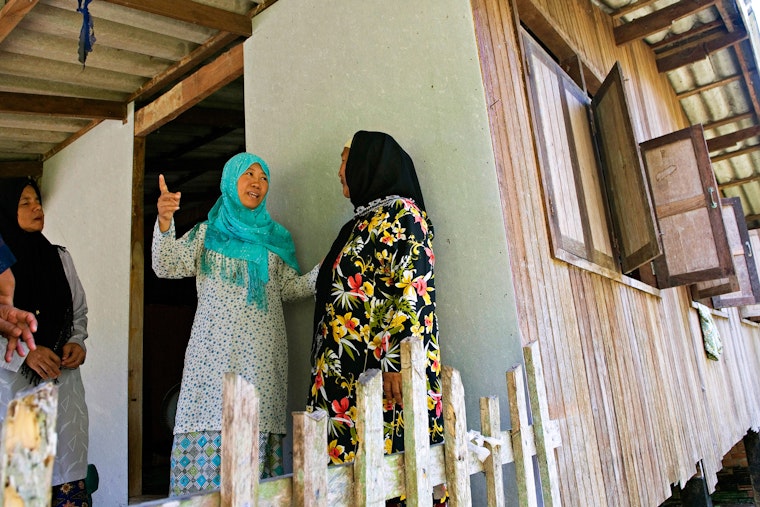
x=79 y=301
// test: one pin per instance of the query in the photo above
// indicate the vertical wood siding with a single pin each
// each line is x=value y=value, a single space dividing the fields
x=638 y=404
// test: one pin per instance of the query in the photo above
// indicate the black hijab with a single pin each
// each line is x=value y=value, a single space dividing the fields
x=377 y=167
x=41 y=283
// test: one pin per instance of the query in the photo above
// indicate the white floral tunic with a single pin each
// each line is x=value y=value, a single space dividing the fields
x=229 y=335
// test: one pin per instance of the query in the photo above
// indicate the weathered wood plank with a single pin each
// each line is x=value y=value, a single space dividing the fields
x=310 y=459
x=489 y=421
x=419 y=491
x=545 y=431
x=368 y=464
x=523 y=446
x=28 y=446
x=240 y=442
x=455 y=439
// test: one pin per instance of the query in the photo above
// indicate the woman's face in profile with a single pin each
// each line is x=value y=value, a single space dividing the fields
x=253 y=186
x=342 y=172
x=31 y=218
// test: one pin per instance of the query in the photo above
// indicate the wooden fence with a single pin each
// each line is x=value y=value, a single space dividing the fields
x=371 y=478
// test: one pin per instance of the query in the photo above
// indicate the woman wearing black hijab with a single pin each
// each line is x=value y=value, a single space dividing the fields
x=375 y=288
x=48 y=286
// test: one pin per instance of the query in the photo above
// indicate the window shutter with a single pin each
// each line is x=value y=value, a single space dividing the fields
x=630 y=204
x=573 y=194
x=730 y=284
x=753 y=311
x=686 y=201
x=741 y=250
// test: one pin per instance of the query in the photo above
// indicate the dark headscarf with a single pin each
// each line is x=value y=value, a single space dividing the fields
x=41 y=283
x=377 y=167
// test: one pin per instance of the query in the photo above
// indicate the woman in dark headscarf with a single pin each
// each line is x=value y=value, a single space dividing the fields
x=48 y=286
x=245 y=267
x=375 y=288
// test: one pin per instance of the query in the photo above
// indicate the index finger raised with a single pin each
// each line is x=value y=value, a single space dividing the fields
x=162 y=184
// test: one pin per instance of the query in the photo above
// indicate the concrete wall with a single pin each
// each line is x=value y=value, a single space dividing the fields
x=87 y=196
x=318 y=71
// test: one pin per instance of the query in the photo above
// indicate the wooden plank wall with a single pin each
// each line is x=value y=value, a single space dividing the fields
x=638 y=404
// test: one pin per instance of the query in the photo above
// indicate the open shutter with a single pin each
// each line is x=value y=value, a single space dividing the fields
x=753 y=311
x=731 y=284
x=741 y=250
x=573 y=193
x=630 y=204
x=686 y=200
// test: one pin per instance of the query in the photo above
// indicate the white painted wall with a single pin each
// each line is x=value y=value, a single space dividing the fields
x=315 y=72
x=87 y=196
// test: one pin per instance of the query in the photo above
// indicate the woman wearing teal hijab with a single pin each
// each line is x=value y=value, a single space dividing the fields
x=245 y=267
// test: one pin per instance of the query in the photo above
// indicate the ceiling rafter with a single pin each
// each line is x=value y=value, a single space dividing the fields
x=15 y=169
x=12 y=13
x=699 y=52
x=658 y=20
x=684 y=37
x=70 y=107
x=193 y=12
x=187 y=93
x=710 y=86
x=730 y=140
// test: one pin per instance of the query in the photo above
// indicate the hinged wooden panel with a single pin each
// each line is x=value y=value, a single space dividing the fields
x=629 y=201
x=732 y=283
x=573 y=192
x=686 y=201
x=753 y=311
x=743 y=254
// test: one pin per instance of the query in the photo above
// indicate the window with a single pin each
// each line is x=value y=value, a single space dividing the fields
x=614 y=203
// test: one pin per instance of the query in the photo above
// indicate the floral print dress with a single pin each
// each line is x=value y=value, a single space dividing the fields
x=383 y=290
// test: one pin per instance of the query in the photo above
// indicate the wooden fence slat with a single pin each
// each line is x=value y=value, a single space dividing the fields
x=240 y=443
x=28 y=443
x=545 y=431
x=455 y=439
x=489 y=422
x=419 y=492
x=368 y=464
x=310 y=459
x=523 y=446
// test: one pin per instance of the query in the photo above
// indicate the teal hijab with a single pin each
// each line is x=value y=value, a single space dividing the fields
x=238 y=232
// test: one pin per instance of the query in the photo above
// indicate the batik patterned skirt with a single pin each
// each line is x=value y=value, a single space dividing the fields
x=196 y=460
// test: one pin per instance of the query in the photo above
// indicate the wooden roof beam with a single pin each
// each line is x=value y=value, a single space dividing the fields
x=628 y=9
x=699 y=52
x=189 y=62
x=732 y=154
x=11 y=169
x=736 y=183
x=727 y=121
x=709 y=86
x=191 y=90
x=195 y=13
x=658 y=20
x=12 y=13
x=730 y=140
x=71 y=107
x=683 y=38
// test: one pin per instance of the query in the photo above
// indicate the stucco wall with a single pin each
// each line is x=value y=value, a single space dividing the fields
x=318 y=71
x=87 y=196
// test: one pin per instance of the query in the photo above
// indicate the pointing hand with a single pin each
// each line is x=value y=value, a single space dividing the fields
x=168 y=203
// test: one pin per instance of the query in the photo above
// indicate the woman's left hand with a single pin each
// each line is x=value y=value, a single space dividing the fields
x=73 y=356
x=392 y=387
